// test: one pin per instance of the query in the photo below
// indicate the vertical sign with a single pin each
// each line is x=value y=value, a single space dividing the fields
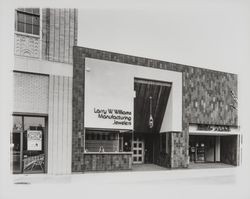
x=34 y=140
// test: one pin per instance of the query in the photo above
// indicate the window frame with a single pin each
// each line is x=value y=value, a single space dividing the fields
x=23 y=115
x=105 y=135
x=35 y=24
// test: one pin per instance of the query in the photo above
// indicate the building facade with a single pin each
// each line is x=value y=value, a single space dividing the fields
x=41 y=137
x=194 y=112
x=78 y=109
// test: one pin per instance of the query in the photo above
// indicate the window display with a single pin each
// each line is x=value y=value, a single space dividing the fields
x=28 y=144
x=107 y=141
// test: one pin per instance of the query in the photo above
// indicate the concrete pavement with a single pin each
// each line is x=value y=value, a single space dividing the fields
x=167 y=176
x=181 y=183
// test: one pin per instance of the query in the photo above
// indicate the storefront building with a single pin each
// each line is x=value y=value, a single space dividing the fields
x=78 y=109
x=154 y=111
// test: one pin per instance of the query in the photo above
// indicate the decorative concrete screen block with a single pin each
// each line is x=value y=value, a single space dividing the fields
x=27 y=45
x=31 y=93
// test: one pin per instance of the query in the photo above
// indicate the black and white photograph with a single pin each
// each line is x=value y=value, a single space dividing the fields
x=125 y=99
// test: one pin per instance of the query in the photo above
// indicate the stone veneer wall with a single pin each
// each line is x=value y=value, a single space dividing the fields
x=206 y=99
x=78 y=111
x=107 y=162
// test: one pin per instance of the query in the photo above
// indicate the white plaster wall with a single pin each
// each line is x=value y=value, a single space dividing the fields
x=60 y=125
x=107 y=85
x=167 y=123
x=34 y=65
x=112 y=84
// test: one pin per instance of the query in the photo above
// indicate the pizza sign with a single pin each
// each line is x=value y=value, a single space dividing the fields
x=34 y=140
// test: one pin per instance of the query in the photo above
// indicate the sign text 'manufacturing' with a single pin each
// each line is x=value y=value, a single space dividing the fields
x=119 y=116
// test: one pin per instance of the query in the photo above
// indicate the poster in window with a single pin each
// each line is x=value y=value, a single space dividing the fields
x=34 y=140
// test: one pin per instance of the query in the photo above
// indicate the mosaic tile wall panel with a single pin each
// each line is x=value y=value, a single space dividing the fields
x=207 y=95
x=107 y=162
x=78 y=112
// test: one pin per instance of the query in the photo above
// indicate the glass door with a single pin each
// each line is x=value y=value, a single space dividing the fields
x=17 y=145
x=138 y=151
x=200 y=152
x=33 y=145
x=28 y=142
x=16 y=152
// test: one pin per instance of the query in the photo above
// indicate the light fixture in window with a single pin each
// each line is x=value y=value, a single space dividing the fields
x=151 y=119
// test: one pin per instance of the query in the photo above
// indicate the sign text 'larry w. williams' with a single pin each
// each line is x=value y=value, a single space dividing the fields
x=119 y=116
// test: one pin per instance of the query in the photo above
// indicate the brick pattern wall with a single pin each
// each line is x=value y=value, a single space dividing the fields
x=179 y=149
x=107 y=162
x=59 y=34
x=206 y=95
x=31 y=93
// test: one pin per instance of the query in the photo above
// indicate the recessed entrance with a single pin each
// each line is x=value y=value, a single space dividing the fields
x=213 y=149
x=149 y=109
x=204 y=148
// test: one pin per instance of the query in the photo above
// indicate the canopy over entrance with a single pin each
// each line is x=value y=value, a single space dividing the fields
x=144 y=107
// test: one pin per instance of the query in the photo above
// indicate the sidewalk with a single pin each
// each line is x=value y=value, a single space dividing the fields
x=173 y=184
x=183 y=176
x=209 y=165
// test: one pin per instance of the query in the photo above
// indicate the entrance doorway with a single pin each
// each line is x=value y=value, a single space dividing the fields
x=204 y=148
x=150 y=104
x=28 y=144
x=138 y=150
x=145 y=148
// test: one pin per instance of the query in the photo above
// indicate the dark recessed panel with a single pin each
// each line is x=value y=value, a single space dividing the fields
x=159 y=93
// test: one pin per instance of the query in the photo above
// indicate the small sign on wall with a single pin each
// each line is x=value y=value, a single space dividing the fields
x=109 y=96
x=34 y=140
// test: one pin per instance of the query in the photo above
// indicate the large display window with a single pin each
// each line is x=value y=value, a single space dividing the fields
x=28 y=144
x=107 y=141
x=202 y=148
